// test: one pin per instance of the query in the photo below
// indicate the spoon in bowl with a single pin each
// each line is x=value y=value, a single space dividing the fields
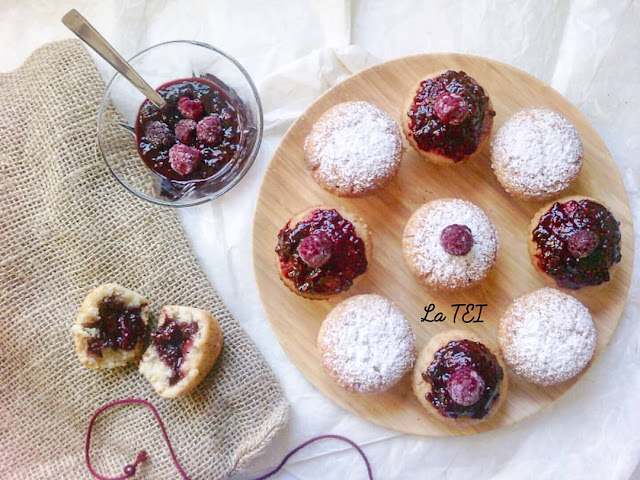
x=89 y=35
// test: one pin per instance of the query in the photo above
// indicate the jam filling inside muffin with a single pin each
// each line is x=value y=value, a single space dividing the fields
x=456 y=239
x=119 y=326
x=577 y=243
x=195 y=135
x=172 y=341
x=322 y=254
x=465 y=378
x=448 y=114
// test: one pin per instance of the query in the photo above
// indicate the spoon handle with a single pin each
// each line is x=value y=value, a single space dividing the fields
x=85 y=31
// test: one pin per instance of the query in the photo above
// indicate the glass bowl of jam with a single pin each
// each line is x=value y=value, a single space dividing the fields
x=196 y=147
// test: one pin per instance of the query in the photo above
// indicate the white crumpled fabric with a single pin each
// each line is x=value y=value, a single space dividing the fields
x=295 y=50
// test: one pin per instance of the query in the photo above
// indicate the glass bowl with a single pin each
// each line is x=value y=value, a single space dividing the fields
x=159 y=65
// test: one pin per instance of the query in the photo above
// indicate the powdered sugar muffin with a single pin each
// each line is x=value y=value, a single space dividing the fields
x=183 y=349
x=322 y=251
x=536 y=154
x=459 y=378
x=366 y=344
x=110 y=327
x=447 y=118
x=354 y=149
x=450 y=244
x=547 y=336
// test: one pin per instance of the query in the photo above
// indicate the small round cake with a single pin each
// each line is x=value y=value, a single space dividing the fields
x=322 y=251
x=574 y=242
x=547 y=336
x=354 y=149
x=183 y=349
x=110 y=327
x=449 y=118
x=536 y=154
x=450 y=244
x=459 y=379
x=366 y=344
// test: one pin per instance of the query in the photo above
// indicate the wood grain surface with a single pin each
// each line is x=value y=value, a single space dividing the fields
x=288 y=187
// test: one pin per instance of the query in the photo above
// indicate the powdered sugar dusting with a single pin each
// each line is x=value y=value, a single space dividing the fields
x=547 y=336
x=536 y=153
x=366 y=343
x=355 y=147
x=429 y=259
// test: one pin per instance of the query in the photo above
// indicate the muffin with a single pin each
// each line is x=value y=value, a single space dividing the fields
x=447 y=118
x=183 y=349
x=354 y=149
x=547 y=336
x=322 y=252
x=536 y=154
x=366 y=344
x=459 y=379
x=450 y=244
x=574 y=242
x=110 y=327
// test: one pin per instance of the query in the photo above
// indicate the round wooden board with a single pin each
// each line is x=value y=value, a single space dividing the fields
x=288 y=187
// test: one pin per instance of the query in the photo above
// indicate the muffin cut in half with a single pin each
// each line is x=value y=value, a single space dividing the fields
x=183 y=349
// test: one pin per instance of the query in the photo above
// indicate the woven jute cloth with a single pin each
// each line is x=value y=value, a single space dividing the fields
x=67 y=226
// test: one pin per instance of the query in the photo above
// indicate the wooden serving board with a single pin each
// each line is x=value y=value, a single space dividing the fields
x=288 y=188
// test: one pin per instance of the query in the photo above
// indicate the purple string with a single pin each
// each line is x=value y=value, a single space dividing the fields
x=309 y=442
x=129 y=470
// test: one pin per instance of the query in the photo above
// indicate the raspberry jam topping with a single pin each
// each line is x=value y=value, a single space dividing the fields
x=451 y=108
x=119 y=326
x=218 y=136
x=448 y=115
x=577 y=242
x=465 y=379
x=465 y=386
x=322 y=233
x=172 y=341
x=315 y=250
x=456 y=239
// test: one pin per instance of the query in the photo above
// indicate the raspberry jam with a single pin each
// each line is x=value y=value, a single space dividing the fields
x=172 y=341
x=212 y=127
x=567 y=253
x=119 y=326
x=334 y=275
x=468 y=360
x=436 y=120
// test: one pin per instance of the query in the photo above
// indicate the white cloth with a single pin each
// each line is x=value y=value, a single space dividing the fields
x=585 y=49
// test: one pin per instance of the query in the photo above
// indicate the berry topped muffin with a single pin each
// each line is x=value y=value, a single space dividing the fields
x=449 y=118
x=574 y=242
x=322 y=251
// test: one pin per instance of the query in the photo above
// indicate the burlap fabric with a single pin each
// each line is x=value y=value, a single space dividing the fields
x=67 y=226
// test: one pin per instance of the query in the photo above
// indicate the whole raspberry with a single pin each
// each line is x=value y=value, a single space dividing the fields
x=456 y=239
x=465 y=386
x=451 y=108
x=209 y=130
x=190 y=108
x=185 y=131
x=184 y=158
x=159 y=134
x=315 y=250
x=583 y=243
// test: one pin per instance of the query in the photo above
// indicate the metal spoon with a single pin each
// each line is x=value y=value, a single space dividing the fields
x=89 y=35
